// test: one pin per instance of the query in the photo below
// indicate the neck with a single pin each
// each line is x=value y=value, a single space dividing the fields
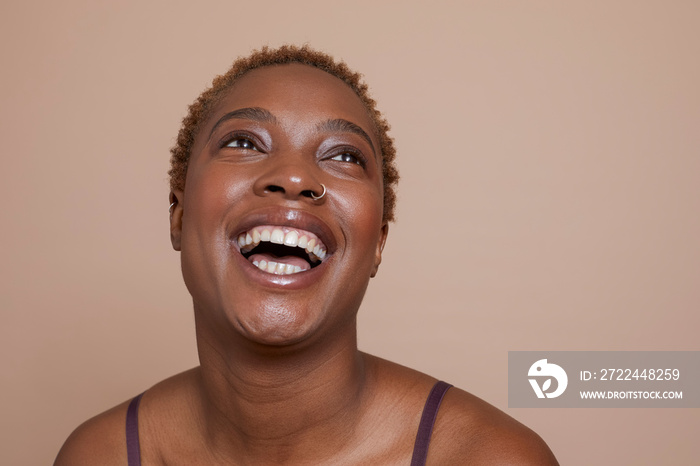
x=276 y=403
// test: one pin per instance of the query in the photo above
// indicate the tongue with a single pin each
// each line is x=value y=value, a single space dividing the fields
x=291 y=260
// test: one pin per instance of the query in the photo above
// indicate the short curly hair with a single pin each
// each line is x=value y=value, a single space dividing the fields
x=201 y=109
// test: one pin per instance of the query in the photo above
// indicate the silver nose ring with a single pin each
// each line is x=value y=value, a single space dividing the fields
x=318 y=198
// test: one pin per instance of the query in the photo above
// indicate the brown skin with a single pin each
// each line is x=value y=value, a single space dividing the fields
x=281 y=380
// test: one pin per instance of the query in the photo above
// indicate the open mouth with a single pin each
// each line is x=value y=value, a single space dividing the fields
x=281 y=250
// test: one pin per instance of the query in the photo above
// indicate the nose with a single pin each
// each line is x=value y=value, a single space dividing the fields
x=290 y=180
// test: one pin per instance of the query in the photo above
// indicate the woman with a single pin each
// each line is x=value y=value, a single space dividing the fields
x=282 y=189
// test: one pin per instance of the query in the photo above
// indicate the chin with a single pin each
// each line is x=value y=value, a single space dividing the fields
x=276 y=326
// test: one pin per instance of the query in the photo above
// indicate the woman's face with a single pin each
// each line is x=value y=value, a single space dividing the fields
x=277 y=135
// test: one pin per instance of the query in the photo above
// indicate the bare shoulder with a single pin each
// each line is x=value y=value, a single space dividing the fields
x=100 y=440
x=467 y=430
x=470 y=431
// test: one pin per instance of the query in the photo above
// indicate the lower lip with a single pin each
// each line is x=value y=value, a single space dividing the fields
x=292 y=281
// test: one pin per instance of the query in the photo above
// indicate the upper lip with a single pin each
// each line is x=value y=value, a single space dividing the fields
x=290 y=218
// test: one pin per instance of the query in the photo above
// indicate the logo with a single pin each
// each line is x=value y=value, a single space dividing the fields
x=542 y=369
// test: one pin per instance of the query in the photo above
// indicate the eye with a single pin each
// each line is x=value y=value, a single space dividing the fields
x=241 y=142
x=349 y=157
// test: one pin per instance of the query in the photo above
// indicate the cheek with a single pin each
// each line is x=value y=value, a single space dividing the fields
x=362 y=219
x=210 y=191
x=209 y=194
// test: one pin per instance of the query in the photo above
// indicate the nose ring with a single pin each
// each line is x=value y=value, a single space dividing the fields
x=318 y=198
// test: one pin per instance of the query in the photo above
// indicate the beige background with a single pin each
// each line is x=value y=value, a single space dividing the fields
x=550 y=156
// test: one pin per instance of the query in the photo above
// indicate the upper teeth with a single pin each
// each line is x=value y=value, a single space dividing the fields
x=278 y=235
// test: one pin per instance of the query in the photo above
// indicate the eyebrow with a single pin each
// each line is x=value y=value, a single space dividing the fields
x=248 y=113
x=345 y=126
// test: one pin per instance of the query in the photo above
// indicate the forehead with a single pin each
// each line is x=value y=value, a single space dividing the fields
x=298 y=91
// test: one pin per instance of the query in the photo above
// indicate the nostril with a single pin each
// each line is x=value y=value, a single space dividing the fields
x=275 y=189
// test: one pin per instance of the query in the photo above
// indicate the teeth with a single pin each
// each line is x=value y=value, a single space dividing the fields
x=277 y=236
x=292 y=239
x=277 y=268
x=303 y=241
x=250 y=239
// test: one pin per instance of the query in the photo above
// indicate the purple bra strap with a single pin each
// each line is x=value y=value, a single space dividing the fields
x=133 y=448
x=427 y=421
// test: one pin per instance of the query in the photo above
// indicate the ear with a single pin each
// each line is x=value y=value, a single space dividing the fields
x=176 y=198
x=383 y=232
